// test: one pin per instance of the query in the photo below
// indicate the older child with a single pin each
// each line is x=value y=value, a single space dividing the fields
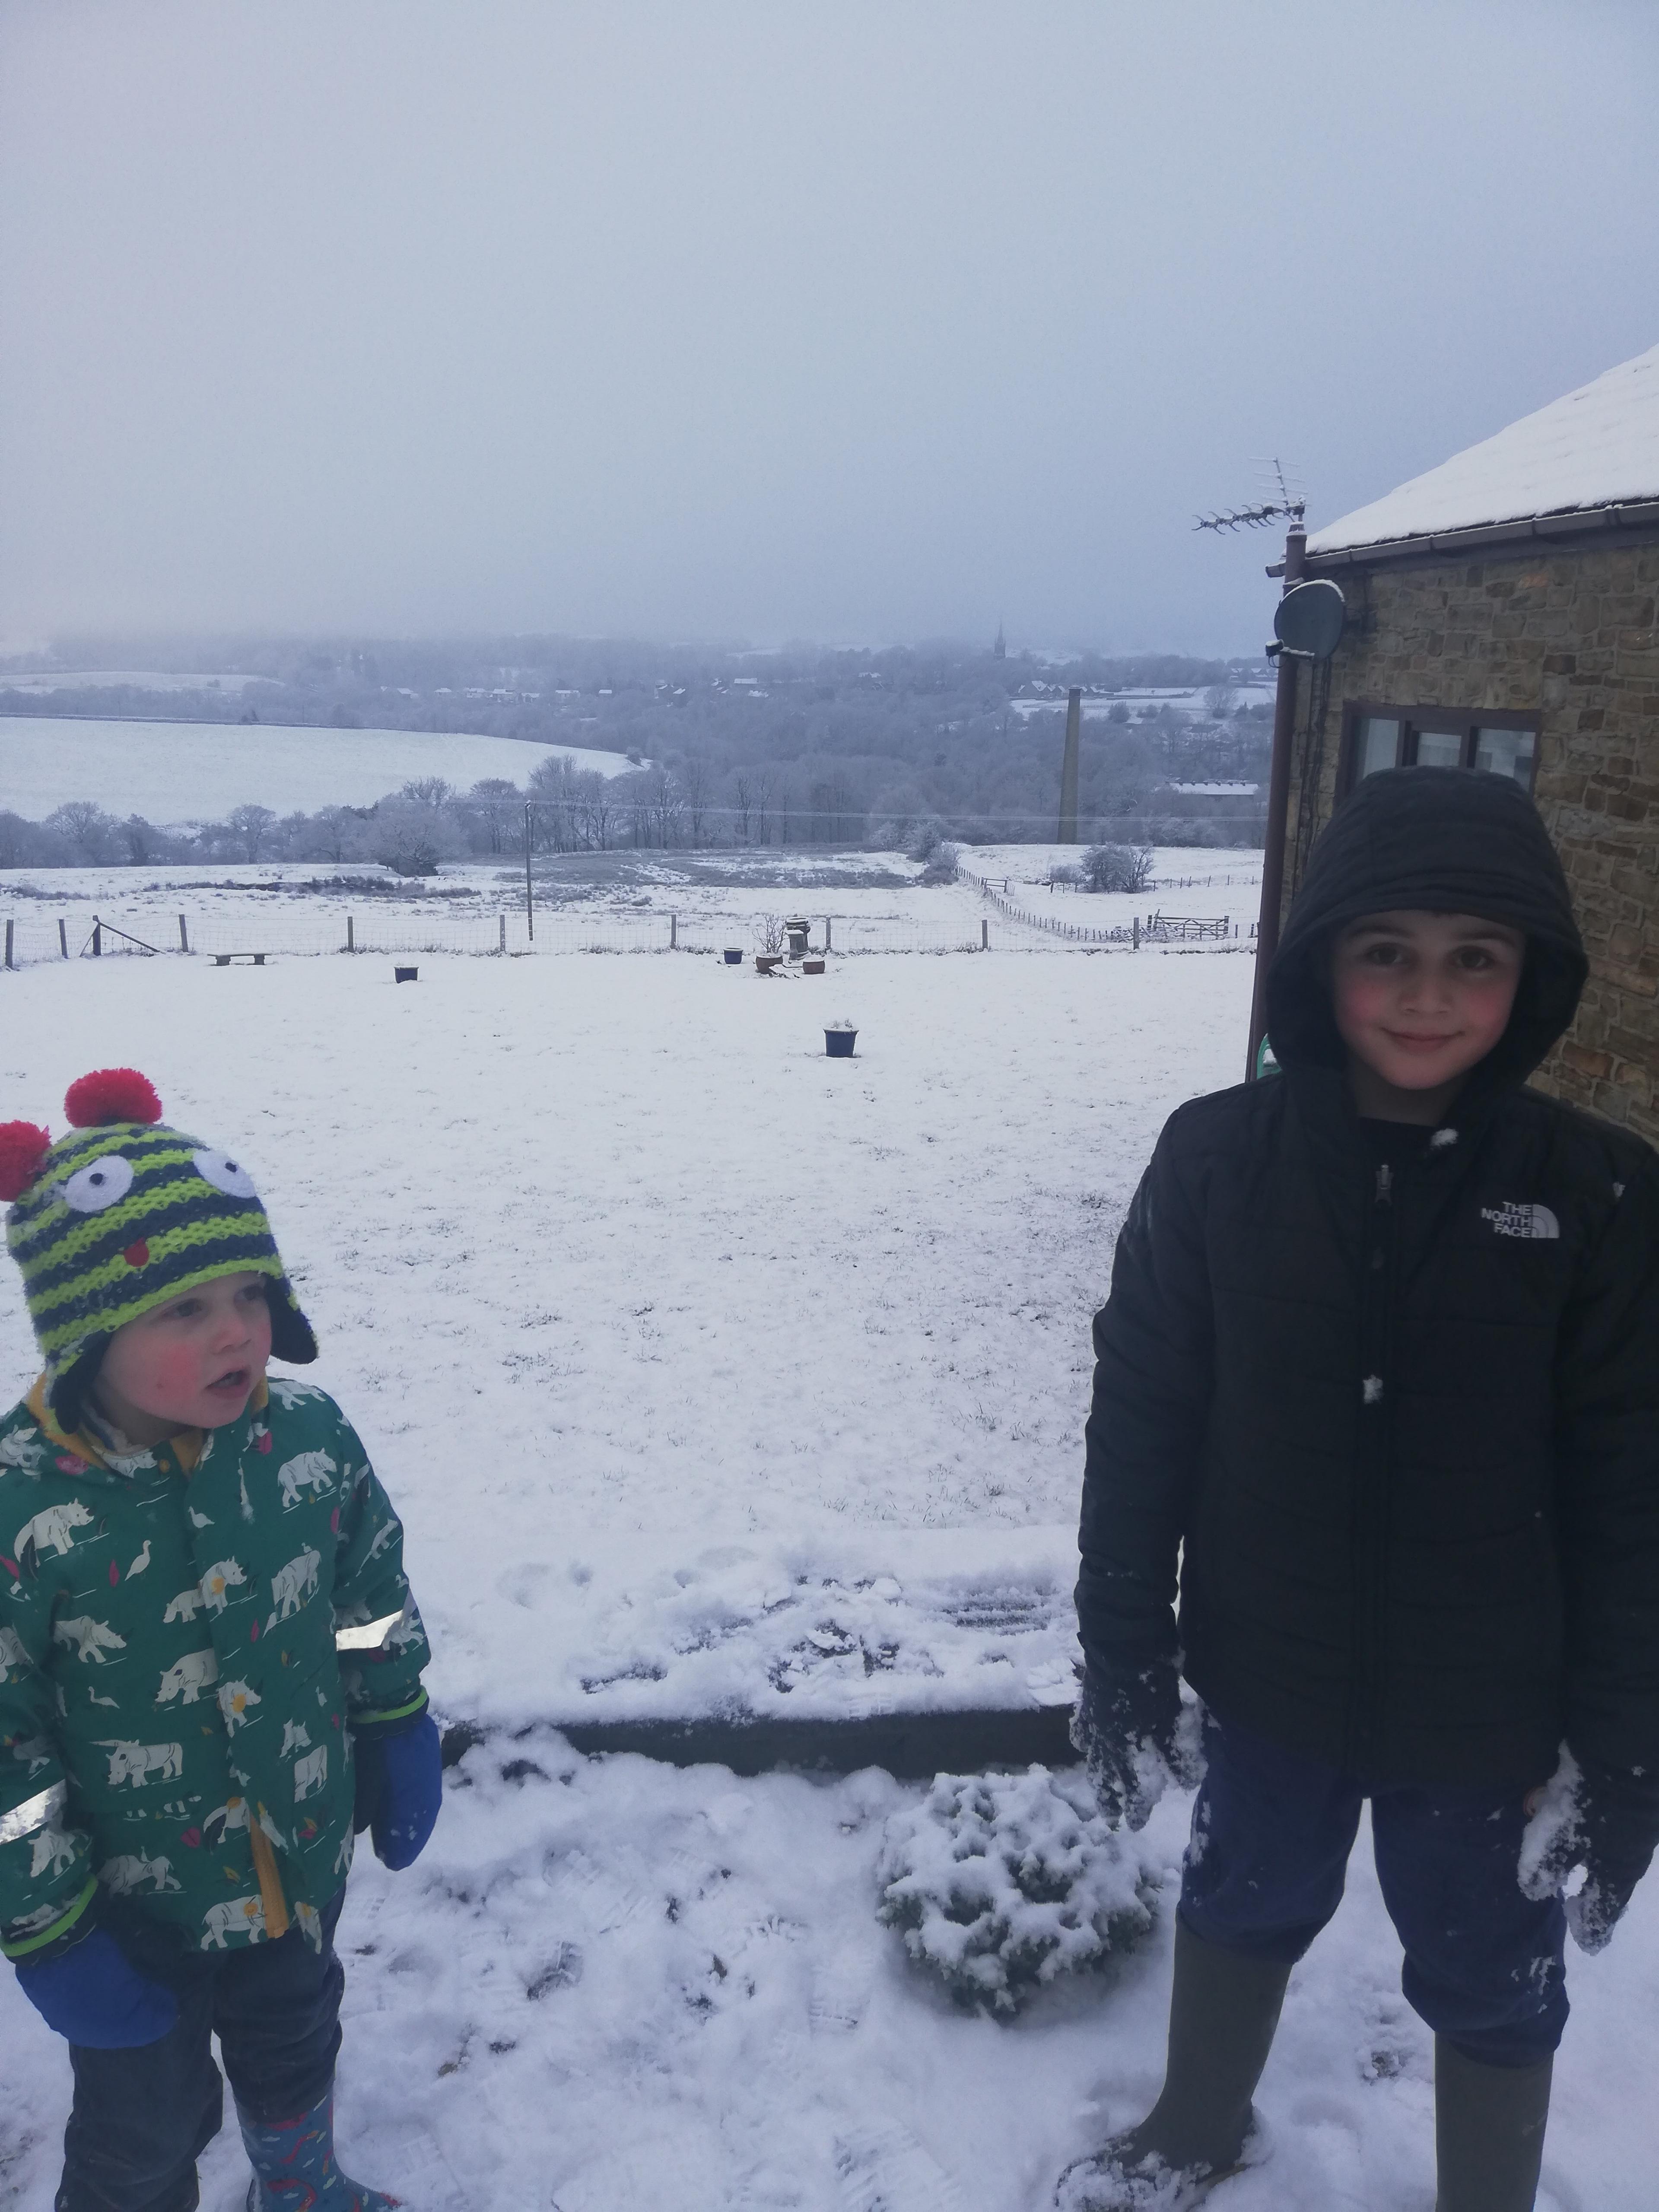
x=1379 y=1371
x=209 y=1659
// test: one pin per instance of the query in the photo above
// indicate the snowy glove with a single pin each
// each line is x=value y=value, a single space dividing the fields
x=1135 y=1737
x=400 y=1787
x=1593 y=1816
x=94 y=1995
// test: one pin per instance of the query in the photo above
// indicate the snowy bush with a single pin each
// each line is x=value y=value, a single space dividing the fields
x=942 y=865
x=1000 y=1883
x=1117 y=868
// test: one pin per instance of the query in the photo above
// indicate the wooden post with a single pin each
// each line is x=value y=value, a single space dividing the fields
x=673 y=933
x=501 y=945
x=351 y=936
x=984 y=934
x=1279 y=801
x=529 y=895
x=97 y=938
x=62 y=938
x=1135 y=947
x=184 y=936
x=828 y=939
x=8 y=930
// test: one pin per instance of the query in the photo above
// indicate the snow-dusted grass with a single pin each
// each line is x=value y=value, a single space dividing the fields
x=174 y=772
x=609 y=1985
x=682 y=1347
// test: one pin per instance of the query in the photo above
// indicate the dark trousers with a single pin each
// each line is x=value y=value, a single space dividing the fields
x=1265 y=1868
x=142 y=2119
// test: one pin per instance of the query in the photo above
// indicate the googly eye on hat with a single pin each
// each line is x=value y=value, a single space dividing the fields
x=122 y=1213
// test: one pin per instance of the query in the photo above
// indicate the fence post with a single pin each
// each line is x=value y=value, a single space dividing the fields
x=502 y=946
x=62 y=938
x=184 y=936
x=8 y=930
x=97 y=938
x=352 y=939
x=673 y=933
x=984 y=934
x=828 y=939
x=1135 y=947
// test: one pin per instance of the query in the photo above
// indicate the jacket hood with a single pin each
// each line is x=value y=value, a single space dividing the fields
x=1448 y=841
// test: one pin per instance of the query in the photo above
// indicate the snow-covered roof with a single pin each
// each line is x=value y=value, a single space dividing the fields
x=1596 y=448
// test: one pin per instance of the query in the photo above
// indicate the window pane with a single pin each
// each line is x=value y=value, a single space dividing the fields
x=1379 y=744
x=1439 y=749
x=1505 y=752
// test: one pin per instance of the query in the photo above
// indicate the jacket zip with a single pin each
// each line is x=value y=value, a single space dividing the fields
x=1371 y=1505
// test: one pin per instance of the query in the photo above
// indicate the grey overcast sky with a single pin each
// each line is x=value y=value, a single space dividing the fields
x=860 y=320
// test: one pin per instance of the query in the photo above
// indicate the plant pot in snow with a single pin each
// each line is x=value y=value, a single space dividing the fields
x=766 y=962
x=838 y=1043
x=812 y=967
x=734 y=955
x=406 y=974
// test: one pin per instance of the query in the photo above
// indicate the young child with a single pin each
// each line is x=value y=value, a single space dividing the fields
x=1380 y=1374
x=209 y=1661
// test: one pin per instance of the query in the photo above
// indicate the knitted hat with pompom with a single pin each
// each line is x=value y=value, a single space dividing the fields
x=121 y=1215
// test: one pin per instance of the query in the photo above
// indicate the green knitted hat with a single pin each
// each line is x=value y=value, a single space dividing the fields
x=121 y=1215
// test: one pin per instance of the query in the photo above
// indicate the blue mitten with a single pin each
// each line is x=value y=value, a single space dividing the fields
x=94 y=1995
x=400 y=1787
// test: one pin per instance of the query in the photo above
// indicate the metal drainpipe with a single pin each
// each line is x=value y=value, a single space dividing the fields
x=1279 y=801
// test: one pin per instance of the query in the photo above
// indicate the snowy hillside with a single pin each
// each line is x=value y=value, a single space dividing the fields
x=177 y=772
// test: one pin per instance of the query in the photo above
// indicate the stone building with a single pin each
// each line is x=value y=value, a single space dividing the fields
x=1502 y=612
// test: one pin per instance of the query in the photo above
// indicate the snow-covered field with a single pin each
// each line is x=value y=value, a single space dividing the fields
x=709 y=1372
x=178 y=772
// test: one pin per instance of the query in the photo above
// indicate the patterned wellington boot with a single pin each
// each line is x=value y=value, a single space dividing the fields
x=293 y=2167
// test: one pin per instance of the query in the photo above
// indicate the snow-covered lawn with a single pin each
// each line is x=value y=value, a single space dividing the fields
x=706 y=1371
x=172 y=771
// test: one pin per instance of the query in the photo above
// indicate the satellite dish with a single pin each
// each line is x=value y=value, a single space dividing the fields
x=1307 y=621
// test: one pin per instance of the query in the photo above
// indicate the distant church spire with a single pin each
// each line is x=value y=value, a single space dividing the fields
x=999 y=650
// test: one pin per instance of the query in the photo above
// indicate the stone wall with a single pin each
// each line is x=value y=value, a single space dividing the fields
x=1572 y=636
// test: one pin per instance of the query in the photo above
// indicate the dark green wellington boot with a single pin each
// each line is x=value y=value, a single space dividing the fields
x=1488 y=2132
x=1224 y=2009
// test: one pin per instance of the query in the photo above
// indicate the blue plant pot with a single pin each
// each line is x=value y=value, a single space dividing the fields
x=838 y=1043
x=733 y=956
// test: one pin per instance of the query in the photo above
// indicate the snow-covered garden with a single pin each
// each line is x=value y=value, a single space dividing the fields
x=713 y=1375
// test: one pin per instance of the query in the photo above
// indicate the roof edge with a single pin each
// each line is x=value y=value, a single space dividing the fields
x=1627 y=516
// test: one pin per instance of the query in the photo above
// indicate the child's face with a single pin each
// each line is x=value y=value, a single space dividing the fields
x=192 y=1363
x=1420 y=998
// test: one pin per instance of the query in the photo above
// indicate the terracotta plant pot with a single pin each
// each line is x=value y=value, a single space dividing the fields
x=766 y=962
x=812 y=967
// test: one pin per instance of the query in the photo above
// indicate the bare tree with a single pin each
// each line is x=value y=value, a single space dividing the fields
x=494 y=804
x=433 y=791
x=763 y=800
x=84 y=826
x=745 y=797
x=697 y=796
x=249 y=824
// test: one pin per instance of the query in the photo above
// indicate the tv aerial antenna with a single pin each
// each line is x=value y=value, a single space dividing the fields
x=1283 y=503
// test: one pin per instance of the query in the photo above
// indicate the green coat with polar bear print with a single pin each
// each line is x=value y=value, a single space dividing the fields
x=185 y=1651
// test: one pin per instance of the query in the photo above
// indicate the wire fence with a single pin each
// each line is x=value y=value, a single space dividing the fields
x=1155 y=928
x=32 y=940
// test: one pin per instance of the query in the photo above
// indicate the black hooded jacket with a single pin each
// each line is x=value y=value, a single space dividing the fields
x=1398 y=1425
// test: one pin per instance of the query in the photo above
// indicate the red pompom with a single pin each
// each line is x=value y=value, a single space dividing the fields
x=22 y=1148
x=110 y=1094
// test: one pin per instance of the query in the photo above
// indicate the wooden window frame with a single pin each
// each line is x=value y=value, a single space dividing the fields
x=1411 y=719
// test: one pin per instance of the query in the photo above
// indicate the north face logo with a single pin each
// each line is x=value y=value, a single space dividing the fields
x=1515 y=1218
